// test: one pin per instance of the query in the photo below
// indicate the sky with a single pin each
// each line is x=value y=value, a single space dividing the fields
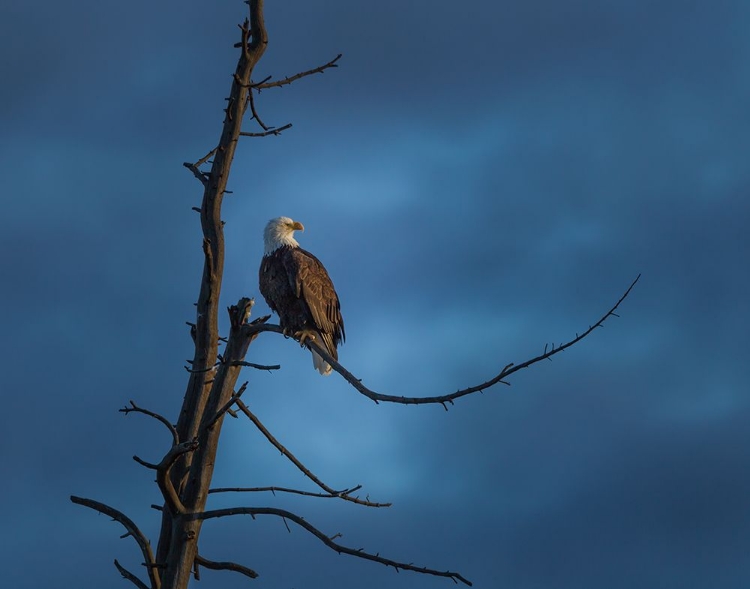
x=480 y=179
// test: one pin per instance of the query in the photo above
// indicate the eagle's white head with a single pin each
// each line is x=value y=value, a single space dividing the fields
x=279 y=232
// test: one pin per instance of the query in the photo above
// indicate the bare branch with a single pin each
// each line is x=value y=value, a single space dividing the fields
x=255 y=112
x=443 y=399
x=245 y=38
x=130 y=576
x=274 y=490
x=205 y=158
x=134 y=408
x=257 y=366
x=225 y=566
x=227 y=405
x=149 y=465
x=269 y=132
x=197 y=173
x=327 y=540
x=269 y=436
x=132 y=529
x=263 y=81
x=318 y=70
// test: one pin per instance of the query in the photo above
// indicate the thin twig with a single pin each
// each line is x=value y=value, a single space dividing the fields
x=225 y=566
x=227 y=405
x=267 y=133
x=245 y=37
x=134 y=408
x=205 y=158
x=133 y=530
x=263 y=81
x=130 y=576
x=269 y=368
x=318 y=70
x=287 y=515
x=269 y=436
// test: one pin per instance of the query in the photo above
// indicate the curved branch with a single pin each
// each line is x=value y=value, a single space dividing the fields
x=149 y=465
x=132 y=529
x=318 y=70
x=126 y=574
x=166 y=486
x=253 y=511
x=256 y=116
x=269 y=436
x=449 y=398
x=135 y=409
x=225 y=566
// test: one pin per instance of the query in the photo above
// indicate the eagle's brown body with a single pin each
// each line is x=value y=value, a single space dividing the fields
x=297 y=287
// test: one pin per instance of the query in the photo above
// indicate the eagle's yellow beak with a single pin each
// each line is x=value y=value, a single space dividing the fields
x=297 y=226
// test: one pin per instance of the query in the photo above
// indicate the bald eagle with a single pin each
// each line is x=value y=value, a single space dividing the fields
x=297 y=287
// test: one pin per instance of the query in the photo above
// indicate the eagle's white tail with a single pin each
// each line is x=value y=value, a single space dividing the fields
x=321 y=365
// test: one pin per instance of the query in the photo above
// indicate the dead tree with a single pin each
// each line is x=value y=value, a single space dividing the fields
x=184 y=473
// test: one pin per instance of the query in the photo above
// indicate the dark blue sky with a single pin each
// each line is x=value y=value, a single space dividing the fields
x=480 y=178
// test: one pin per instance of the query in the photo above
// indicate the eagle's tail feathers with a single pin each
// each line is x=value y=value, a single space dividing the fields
x=321 y=365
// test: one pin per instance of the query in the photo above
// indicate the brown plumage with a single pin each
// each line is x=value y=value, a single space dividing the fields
x=297 y=287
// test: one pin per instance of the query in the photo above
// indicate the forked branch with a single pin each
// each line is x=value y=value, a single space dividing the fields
x=269 y=436
x=267 y=132
x=327 y=540
x=201 y=176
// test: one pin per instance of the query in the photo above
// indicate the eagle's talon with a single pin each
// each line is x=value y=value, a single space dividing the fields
x=304 y=335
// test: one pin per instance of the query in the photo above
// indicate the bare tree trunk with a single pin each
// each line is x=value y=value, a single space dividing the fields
x=209 y=389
